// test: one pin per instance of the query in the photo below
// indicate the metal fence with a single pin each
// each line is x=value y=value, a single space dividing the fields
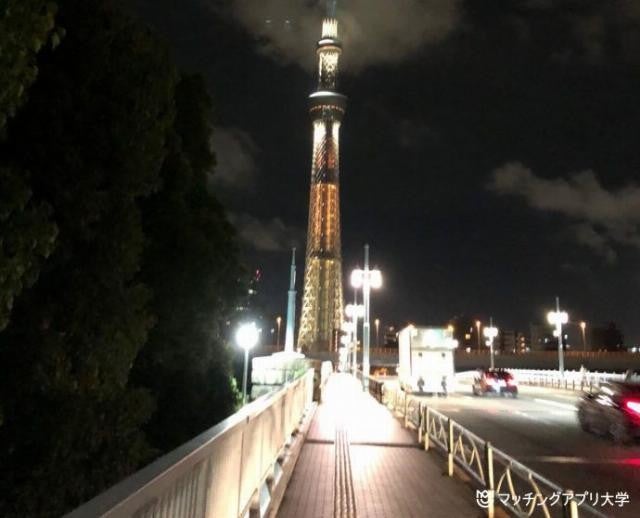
x=229 y=470
x=572 y=379
x=503 y=480
x=373 y=384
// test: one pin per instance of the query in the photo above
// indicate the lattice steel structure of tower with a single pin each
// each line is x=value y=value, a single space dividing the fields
x=322 y=301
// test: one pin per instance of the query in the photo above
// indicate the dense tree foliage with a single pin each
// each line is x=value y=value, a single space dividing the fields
x=191 y=267
x=118 y=269
x=25 y=27
x=26 y=233
x=92 y=135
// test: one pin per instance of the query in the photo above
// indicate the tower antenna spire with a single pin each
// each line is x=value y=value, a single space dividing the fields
x=331 y=8
x=291 y=306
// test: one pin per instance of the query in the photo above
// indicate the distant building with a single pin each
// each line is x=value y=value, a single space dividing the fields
x=466 y=332
x=522 y=343
x=248 y=303
x=251 y=308
x=607 y=338
x=542 y=338
x=389 y=336
x=506 y=340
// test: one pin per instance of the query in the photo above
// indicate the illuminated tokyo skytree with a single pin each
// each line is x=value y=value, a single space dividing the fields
x=322 y=297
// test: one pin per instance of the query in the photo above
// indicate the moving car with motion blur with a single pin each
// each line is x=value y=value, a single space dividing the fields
x=497 y=382
x=613 y=410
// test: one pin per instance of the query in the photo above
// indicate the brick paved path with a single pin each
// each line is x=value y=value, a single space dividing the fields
x=358 y=461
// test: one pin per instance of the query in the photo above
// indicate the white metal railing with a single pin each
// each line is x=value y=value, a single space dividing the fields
x=502 y=478
x=572 y=379
x=227 y=471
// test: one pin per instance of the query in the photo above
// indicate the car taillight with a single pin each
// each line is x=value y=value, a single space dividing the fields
x=633 y=406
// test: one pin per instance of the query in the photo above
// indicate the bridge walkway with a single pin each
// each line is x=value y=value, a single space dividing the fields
x=358 y=460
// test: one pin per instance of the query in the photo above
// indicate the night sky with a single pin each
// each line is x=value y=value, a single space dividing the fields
x=489 y=154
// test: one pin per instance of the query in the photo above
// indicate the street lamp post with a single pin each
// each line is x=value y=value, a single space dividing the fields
x=490 y=333
x=558 y=318
x=354 y=312
x=583 y=325
x=279 y=322
x=366 y=279
x=247 y=338
x=346 y=341
x=478 y=328
x=355 y=331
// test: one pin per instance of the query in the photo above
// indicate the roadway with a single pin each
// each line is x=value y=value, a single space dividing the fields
x=540 y=429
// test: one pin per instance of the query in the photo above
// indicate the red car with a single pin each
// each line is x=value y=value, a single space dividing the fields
x=494 y=381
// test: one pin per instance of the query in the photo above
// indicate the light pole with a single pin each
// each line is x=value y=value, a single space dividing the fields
x=291 y=307
x=354 y=312
x=377 y=324
x=355 y=330
x=346 y=340
x=478 y=328
x=279 y=322
x=583 y=326
x=366 y=279
x=558 y=318
x=247 y=338
x=490 y=333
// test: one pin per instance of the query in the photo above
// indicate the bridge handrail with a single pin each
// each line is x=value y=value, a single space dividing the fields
x=502 y=476
x=572 y=379
x=374 y=384
x=218 y=473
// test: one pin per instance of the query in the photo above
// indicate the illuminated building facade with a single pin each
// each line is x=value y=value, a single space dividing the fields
x=322 y=301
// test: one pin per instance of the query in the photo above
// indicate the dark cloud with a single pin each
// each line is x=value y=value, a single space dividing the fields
x=374 y=31
x=586 y=235
x=596 y=30
x=413 y=134
x=266 y=236
x=235 y=158
x=600 y=218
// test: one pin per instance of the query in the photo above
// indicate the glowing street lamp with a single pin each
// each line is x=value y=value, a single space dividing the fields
x=583 y=326
x=279 y=322
x=558 y=318
x=478 y=323
x=490 y=334
x=366 y=279
x=246 y=337
x=354 y=311
x=377 y=324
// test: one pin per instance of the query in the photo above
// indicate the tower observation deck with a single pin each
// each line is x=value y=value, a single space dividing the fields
x=322 y=300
